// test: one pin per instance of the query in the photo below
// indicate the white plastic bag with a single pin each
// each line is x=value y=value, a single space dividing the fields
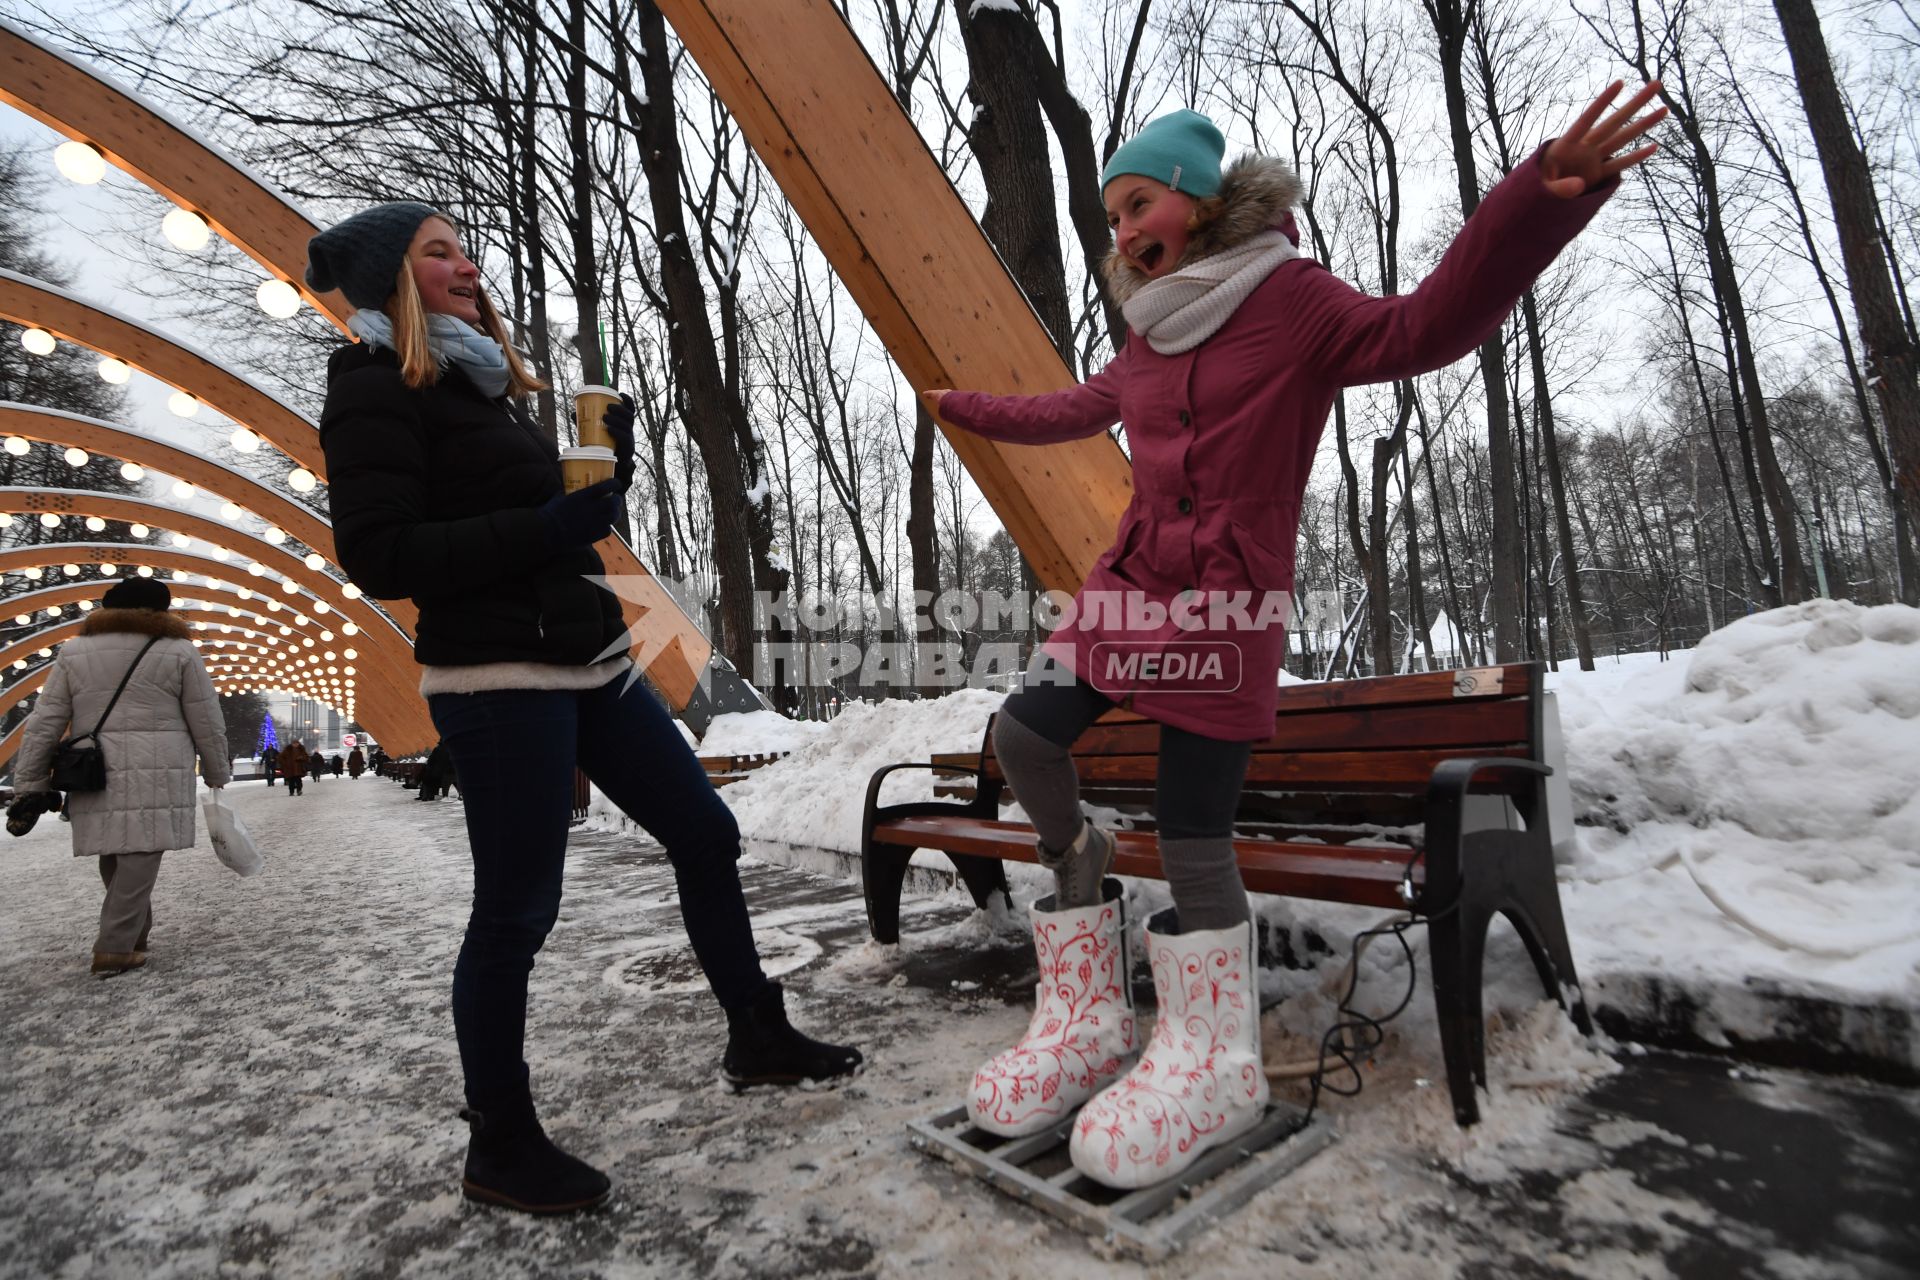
x=232 y=842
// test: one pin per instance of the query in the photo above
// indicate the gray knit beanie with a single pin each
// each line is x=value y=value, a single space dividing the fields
x=361 y=256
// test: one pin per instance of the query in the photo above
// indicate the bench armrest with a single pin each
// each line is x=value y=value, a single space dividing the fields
x=986 y=797
x=1453 y=781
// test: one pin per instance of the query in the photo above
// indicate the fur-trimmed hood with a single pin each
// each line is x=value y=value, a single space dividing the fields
x=1257 y=192
x=145 y=622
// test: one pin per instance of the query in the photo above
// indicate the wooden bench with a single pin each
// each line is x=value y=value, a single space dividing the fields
x=725 y=770
x=1364 y=794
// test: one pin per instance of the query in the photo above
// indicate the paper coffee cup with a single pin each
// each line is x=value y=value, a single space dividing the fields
x=585 y=465
x=590 y=405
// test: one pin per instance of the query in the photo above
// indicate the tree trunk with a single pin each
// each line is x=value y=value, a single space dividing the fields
x=1451 y=19
x=1557 y=479
x=1890 y=354
x=1009 y=138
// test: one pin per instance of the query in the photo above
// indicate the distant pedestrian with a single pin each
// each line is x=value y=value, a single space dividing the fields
x=270 y=764
x=133 y=673
x=316 y=766
x=293 y=767
x=437 y=774
x=356 y=764
x=338 y=764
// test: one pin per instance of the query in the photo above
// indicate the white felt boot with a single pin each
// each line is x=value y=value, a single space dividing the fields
x=1081 y=1036
x=1199 y=1083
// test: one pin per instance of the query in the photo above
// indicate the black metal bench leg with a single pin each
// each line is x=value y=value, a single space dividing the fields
x=1536 y=915
x=983 y=877
x=883 y=873
x=1456 y=942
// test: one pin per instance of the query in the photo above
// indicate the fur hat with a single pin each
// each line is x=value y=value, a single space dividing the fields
x=361 y=256
x=1182 y=149
x=138 y=593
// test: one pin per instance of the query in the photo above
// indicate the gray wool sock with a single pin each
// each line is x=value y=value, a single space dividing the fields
x=1205 y=879
x=1043 y=780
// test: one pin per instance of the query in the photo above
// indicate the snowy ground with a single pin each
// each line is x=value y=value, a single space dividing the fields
x=275 y=1096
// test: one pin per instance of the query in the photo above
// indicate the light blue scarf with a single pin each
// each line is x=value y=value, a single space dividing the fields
x=452 y=341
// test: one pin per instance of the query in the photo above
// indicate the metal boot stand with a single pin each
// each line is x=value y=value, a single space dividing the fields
x=1150 y=1223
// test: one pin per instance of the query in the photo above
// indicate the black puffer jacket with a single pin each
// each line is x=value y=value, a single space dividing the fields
x=436 y=495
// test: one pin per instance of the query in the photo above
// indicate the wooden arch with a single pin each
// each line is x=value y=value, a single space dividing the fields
x=383 y=638
x=55 y=426
x=404 y=720
x=213 y=600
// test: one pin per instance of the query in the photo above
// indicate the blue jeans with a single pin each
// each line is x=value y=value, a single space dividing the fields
x=515 y=751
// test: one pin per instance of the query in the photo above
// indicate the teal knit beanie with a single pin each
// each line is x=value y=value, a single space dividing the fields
x=1182 y=149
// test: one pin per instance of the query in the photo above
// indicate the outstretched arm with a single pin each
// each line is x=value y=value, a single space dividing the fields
x=1519 y=228
x=1073 y=414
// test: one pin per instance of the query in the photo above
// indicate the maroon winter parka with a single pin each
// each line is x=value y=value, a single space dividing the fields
x=1223 y=438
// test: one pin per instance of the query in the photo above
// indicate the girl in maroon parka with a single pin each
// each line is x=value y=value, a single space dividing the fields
x=1236 y=348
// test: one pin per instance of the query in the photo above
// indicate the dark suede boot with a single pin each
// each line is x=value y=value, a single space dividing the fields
x=763 y=1047
x=511 y=1162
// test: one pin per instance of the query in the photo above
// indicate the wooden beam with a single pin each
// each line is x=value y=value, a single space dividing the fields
x=852 y=164
x=55 y=426
x=393 y=652
x=412 y=723
x=138 y=137
x=384 y=684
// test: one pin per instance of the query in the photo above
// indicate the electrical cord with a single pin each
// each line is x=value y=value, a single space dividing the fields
x=1355 y=1035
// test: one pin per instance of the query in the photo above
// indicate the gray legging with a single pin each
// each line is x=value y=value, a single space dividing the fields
x=1194 y=801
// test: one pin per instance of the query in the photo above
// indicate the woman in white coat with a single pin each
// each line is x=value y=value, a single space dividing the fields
x=168 y=712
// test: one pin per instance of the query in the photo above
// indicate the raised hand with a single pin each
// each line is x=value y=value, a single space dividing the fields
x=931 y=400
x=1590 y=153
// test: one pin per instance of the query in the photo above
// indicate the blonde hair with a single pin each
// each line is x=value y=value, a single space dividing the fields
x=418 y=365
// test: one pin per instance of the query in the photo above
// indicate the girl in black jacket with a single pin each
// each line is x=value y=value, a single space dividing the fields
x=444 y=491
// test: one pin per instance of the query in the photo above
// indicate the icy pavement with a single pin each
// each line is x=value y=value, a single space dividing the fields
x=275 y=1094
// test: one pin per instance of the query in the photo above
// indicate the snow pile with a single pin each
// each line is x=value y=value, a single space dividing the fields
x=814 y=797
x=747 y=733
x=1759 y=814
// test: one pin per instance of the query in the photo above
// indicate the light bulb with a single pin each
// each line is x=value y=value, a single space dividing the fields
x=96 y=524
x=53 y=611
x=181 y=540
x=185 y=229
x=257 y=569
x=75 y=456
x=79 y=162
x=17 y=446
x=231 y=511
x=278 y=299
x=23 y=618
x=38 y=341
x=350 y=591
x=138 y=531
x=86 y=606
x=350 y=654
x=314 y=560
x=49 y=520
x=275 y=535
x=289 y=587
x=145 y=571
x=244 y=440
x=35 y=573
x=109 y=570
x=349 y=629
x=71 y=570
x=182 y=404
x=301 y=480
x=221 y=553
x=132 y=471
x=321 y=606
x=115 y=371
x=6 y=521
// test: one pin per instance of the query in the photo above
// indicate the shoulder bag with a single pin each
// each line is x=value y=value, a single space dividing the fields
x=78 y=768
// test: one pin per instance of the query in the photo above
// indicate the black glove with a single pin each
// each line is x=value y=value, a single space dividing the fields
x=583 y=517
x=24 y=812
x=619 y=424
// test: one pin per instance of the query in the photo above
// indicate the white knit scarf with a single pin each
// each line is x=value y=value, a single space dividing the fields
x=452 y=341
x=1184 y=308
